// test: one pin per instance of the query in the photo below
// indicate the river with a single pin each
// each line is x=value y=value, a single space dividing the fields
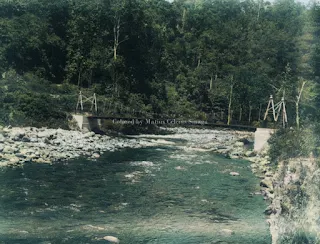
x=161 y=194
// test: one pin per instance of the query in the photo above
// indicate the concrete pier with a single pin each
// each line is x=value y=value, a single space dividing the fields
x=261 y=137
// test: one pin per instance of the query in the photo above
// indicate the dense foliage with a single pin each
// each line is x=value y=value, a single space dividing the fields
x=291 y=143
x=186 y=58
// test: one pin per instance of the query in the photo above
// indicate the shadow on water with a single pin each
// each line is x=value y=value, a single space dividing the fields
x=152 y=201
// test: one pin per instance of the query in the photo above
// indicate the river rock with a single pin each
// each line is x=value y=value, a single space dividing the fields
x=238 y=152
x=8 y=150
x=266 y=183
x=41 y=145
x=249 y=153
x=96 y=155
x=25 y=139
x=18 y=135
x=227 y=232
x=111 y=239
x=234 y=173
x=45 y=134
x=89 y=134
x=14 y=160
x=1 y=148
x=239 y=144
x=2 y=138
x=268 y=174
x=179 y=168
x=33 y=139
x=270 y=210
x=20 y=155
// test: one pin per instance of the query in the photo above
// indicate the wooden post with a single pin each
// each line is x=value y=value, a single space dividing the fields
x=94 y=103
x=80 y=102
x=270 y=103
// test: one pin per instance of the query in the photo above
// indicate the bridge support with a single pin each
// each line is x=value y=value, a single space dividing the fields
x=86 y=124
x=261 y=137
x=82 y=122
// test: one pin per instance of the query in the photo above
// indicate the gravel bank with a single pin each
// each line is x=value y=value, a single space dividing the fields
x=41 y=145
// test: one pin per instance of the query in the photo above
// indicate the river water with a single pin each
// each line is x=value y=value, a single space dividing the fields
x=161 y=195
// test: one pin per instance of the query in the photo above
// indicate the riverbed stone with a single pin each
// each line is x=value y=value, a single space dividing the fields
x=239 y=144
x=2 y=138
x=14 y=160
x=18 y=135
x=89 y=134
x=266 y=183
x=249 y=153
x=96 y=155
x=33 y=139
x=227 y=232
x=8 y=149
x=111 y=239
x=20 y=155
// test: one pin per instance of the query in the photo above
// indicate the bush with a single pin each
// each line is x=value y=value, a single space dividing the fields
x=289 y=143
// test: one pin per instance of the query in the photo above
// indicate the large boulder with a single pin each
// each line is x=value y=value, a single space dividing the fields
x=266 y=183
x=111 y=239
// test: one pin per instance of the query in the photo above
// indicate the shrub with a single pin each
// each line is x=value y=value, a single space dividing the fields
x=289 y=143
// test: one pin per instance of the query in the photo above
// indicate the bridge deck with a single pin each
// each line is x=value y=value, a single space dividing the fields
x=161 y=121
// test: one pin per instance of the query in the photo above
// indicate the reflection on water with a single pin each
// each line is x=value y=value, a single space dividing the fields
x=149 y=195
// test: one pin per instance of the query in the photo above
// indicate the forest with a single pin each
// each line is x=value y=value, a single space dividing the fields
x=186 y=58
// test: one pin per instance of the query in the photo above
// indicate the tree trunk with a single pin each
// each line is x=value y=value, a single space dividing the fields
x=199 y=61
x=297 y=115
x=297 y=104
x=184 y=14
x=230 y=102
x=116 y=34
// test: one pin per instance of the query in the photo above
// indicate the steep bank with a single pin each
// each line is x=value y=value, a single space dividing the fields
x=295 y=208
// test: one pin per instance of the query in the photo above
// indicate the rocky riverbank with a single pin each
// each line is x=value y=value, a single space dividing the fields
x=295 y=209
x=232 y=144
x=41 y=145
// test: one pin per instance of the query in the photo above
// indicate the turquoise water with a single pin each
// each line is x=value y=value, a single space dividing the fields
x=152 y=195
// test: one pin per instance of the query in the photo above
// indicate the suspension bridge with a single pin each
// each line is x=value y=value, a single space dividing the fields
x=88 y=107
x=125 y=115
